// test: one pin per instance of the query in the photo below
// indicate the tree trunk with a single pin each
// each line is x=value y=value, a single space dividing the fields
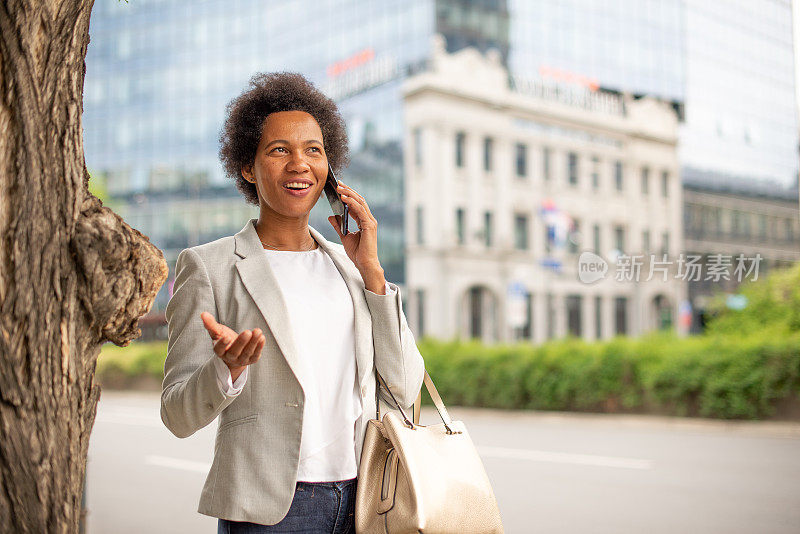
x=72 y=274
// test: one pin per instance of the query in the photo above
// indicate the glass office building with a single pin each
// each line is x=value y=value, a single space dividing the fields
x=160 y=73
x=623 y=45
x=728 y=64
x=741 y=111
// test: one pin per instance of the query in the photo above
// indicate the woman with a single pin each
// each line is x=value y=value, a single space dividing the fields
x=279 y=331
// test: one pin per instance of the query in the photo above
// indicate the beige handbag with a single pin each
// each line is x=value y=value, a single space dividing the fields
x=416 y=478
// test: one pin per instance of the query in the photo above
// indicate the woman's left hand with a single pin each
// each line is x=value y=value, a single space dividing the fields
x=361 y=246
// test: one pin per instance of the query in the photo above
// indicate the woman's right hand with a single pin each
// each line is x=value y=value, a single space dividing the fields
x=236 y=350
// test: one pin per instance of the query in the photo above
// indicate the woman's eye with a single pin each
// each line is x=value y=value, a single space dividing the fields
x=315 y=148
x=278 y=148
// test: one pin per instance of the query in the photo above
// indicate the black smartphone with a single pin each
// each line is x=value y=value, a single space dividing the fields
x=339 y=208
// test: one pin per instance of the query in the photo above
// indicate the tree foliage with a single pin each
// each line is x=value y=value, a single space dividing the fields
x=773 y=304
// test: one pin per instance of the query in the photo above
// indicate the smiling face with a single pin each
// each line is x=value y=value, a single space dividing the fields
x=291 y=151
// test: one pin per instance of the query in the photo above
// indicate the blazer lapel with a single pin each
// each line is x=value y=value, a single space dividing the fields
x=260 y=282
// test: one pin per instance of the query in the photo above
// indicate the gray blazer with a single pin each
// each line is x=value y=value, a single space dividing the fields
x=256 y=455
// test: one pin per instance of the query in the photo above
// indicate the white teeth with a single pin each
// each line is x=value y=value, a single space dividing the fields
x=298 y=185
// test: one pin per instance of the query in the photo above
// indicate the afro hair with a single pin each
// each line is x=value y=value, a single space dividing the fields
x=270 y=93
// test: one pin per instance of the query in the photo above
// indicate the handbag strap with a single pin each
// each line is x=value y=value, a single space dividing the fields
x=435 y=397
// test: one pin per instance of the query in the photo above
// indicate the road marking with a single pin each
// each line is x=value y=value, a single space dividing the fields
x=565 y=458
x=491 y=452
x=131 y=417
x=177 y=463
x=128 y=418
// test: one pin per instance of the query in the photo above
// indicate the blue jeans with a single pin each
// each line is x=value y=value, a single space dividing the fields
x=317 y=508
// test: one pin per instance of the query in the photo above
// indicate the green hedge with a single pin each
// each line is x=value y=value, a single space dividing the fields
x=124 y=367
x=709 y=376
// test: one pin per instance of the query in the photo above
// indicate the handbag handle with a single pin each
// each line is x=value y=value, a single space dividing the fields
x=435 y=397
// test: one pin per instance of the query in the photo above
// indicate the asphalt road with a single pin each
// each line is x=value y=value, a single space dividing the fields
x=551 y=472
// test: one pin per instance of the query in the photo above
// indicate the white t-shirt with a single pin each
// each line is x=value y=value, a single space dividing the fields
x=321 y=316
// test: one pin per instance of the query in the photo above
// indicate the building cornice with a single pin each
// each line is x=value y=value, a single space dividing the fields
x=530 y=108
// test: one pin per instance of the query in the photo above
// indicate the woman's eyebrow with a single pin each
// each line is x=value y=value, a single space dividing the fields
x=307 y=142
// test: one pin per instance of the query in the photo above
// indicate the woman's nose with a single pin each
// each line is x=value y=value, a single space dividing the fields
x=297 y=162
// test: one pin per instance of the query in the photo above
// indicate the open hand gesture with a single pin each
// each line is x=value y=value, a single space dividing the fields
x=236 y=350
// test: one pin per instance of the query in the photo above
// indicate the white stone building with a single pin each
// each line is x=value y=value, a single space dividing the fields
x=486 y=154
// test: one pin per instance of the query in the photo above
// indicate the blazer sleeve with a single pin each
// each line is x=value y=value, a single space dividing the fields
x=397 y=357
x=190 y=395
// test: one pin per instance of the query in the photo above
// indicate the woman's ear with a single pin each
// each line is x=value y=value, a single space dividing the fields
x=247 y=173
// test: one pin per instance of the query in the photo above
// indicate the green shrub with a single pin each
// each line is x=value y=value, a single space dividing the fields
x=115 y=364
x=709 y=376
x=773 y=303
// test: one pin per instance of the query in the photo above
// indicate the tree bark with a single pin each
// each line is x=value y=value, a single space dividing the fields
x=72 y=274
